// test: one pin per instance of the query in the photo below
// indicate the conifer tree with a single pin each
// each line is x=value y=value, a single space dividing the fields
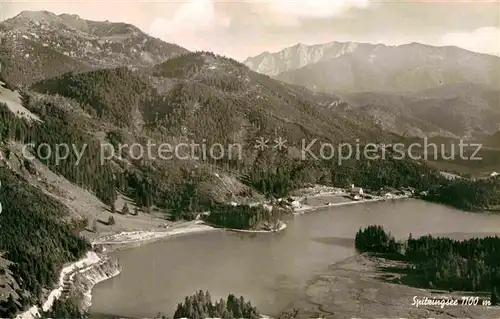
x=495 y=297
x=125 y=209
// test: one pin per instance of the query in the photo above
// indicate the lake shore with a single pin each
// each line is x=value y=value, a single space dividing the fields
x=281 y=227
x=308 y=209
x=134 y=238
x=93 y=260
x=359 y=287
x=119 y=241
x=335 y=198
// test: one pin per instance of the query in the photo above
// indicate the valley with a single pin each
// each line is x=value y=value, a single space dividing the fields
x=412 y=89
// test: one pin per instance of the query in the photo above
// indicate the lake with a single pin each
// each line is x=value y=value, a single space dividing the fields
x=270 y=270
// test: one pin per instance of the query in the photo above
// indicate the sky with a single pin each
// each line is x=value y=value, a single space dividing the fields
x=246 y=28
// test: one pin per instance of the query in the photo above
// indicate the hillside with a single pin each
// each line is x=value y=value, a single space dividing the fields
x=358 y=67
x=201 y=95
x=453 y=110
x=114 y=95
x=27 y=233
x=494 y=140
x=260 y=102
x=41 y=44
x=194 y=98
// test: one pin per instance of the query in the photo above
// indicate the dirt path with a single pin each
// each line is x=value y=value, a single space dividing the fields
x=352 y=289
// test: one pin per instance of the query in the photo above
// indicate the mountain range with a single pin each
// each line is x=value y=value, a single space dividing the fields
x=413 y=89
x=407 y=89
x=127 y=77
x=361 y=67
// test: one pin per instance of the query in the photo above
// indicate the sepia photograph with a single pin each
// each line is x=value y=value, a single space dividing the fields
x=250 y=159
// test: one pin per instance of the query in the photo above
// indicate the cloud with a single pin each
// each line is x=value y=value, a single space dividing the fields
x=192 y=16
x=316 y=8
x=483 y=40
x=194 y=25
x=274 y=18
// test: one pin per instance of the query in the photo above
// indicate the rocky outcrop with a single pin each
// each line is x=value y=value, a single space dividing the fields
x=85 y=279
x=298 y=56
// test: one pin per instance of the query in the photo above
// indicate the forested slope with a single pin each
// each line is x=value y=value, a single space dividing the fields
x=35 y=239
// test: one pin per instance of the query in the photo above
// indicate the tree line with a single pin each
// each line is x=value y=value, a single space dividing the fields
x=438 y=262
x=242 y=216
x=472 y=195
x=200 y=305
x=35 y=239
x=279 y=178
x=274 y=175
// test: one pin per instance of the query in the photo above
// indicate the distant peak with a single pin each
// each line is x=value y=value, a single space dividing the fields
x=36 y=15
x=71 y=16
x=298 y=46
x=413 y=44
x=265 y=53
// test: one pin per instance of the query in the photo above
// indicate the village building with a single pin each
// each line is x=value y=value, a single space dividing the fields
x=356 y=190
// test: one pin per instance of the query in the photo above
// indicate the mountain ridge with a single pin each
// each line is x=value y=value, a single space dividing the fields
x=405 y=88
x=199 y=78
x=333 y=49
x=36 y=42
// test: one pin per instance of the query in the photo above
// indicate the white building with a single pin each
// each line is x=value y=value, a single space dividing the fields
x=356 y=190
x=494 y=174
